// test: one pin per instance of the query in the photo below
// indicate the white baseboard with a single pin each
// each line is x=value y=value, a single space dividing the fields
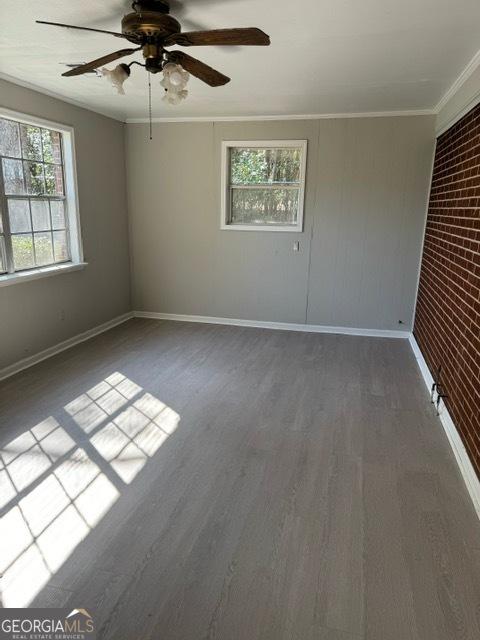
x=283 y=326
x=466 y=468
x=62 y=346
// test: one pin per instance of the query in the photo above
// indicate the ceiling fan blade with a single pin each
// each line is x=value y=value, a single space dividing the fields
x=250 y=36
x=198 y=69
x=71 y=26
x=94 y=64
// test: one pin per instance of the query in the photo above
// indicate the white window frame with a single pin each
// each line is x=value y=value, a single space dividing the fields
x=71 y=200
x=225 y=182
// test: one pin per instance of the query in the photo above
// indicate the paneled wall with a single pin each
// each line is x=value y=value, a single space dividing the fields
x=447 y=322
x=366 y=197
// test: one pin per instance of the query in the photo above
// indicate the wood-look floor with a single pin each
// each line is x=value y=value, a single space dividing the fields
x=307 y=492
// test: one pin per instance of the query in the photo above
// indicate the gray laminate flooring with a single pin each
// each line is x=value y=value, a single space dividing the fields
x=198 y=482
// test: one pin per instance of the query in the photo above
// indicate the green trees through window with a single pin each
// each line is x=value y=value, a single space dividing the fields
x=33 y=222
x=264 y=185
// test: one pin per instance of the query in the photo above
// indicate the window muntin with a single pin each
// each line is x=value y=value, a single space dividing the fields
x=263 y=185
x=34 y=229
x=3 y=255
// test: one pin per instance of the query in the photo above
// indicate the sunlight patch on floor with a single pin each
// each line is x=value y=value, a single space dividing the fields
x=52 y=493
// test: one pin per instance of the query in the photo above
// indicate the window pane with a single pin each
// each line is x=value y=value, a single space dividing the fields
x=31 y=142
x=9 y=139
x=34 y=178
x=60 y=246
x=264 y=206
x=51 y=146
x=40 y=215
x=265 y=166
x=31 y=163
x=13 y=177
x=53 y=179
x=22 y=252
x=58 y=214
x=43 y=248
x=19 y=216
x=287 y=165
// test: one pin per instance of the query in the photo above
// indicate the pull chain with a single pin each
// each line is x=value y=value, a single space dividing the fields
x=150 y=104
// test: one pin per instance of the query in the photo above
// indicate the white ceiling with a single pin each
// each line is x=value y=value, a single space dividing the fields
x=327 y=56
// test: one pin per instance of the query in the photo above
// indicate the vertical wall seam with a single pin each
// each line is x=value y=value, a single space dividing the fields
x=314 y=216
x=126 y=169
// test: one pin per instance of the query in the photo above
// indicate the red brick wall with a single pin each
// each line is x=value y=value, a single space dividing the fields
x=447 y=322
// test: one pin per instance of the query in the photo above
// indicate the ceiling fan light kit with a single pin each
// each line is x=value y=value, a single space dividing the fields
x=117 y=76
x=175 y=80
x=152 y=29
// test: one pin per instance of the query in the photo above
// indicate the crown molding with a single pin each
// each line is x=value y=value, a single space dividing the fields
x=459 y=82
x=57 y=96
x=469 y=69
x=239 y=118
x=459 y=115
x=280 y=117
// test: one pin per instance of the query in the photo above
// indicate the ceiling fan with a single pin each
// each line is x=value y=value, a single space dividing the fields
x=153 y=30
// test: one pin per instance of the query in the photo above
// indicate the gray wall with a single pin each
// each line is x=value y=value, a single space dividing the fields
x=31 y=312
x=367 y=185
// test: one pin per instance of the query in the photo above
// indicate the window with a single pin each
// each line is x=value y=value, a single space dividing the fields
x=263 y=184
x=38 y=209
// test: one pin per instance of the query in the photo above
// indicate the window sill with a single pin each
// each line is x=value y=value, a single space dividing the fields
x=262 y=227
x=44 y=272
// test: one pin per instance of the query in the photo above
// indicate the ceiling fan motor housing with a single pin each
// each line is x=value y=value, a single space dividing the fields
x=162 y=6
